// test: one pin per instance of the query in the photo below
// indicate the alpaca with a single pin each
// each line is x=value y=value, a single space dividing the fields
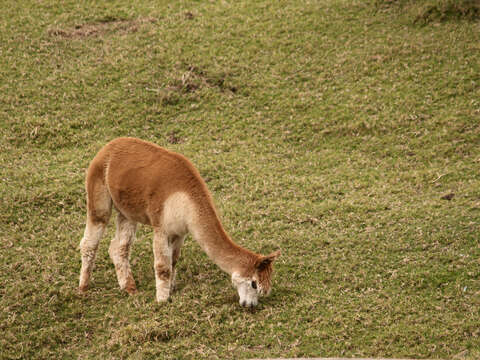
x=150 y=185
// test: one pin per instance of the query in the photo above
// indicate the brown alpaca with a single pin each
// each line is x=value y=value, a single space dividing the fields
x=151 y=185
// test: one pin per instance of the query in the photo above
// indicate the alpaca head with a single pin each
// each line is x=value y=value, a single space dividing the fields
x=256 y=282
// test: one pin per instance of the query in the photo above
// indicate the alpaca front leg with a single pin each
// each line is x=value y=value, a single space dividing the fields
x=162 y=281
x=176 y=247
x=162 y=265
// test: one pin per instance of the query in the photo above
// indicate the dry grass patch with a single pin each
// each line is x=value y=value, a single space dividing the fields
x=429 y=11
x=448 y=10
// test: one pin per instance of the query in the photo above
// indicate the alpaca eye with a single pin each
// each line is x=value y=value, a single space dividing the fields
x=254 y=284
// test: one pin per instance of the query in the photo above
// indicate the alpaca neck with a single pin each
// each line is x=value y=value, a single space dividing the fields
x=211 y=236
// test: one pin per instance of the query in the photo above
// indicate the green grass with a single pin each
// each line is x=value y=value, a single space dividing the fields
x=332 y=130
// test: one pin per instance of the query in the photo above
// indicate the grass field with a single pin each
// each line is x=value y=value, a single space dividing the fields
x=345 y=133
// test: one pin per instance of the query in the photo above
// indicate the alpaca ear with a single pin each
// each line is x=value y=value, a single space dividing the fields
x=264 y=261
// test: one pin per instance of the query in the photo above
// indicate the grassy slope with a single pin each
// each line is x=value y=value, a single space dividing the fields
x=323 y=128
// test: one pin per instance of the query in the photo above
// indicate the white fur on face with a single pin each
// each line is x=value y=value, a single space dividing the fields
x=248 y=295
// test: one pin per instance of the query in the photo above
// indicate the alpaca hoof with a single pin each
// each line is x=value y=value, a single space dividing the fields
x=131 y=290
x=82 y=289
x=163 y=297
x=130 y=286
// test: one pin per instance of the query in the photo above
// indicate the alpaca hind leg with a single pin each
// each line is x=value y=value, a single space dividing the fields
x=162 y=253
x=99 y=208
x=88 y=249
x=119 y=252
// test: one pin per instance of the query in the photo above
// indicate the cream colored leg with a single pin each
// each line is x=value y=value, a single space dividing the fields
x=88 y=249
x=162 y=253
x=119 y=252
x=176 y=247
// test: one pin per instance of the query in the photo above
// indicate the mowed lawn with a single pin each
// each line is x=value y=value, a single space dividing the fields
x=345 y=133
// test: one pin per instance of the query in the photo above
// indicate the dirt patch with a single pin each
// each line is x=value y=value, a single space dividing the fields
x=448 y=196
x=187 y=83
x=101 y=27
x=173 y=138
x=189 y=15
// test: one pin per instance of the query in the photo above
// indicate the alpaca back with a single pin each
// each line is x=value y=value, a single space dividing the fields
x=141 y=176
